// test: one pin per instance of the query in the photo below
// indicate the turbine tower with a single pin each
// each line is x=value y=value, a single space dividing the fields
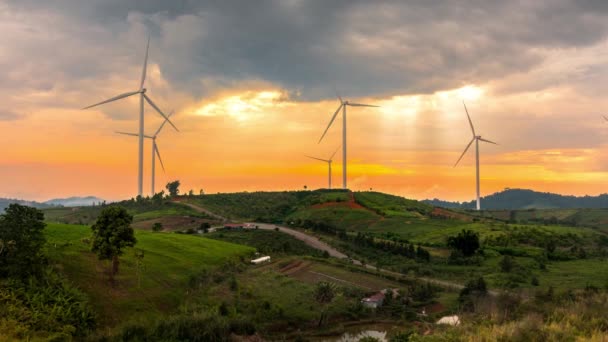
x=477 y=139
x=328 y=161
x=142 y=97
x=343 y=105
x=155 y=151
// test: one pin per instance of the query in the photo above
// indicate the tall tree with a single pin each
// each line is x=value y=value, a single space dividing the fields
x=173 y=188
x=324 y=294
x=466 y=242
x=111 y=234
x=21 y=241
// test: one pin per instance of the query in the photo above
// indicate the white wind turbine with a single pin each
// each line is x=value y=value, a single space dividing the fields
x=343 y=105
x=143 y=96
x=328 y=161
x=477 y=139
x=155 y=151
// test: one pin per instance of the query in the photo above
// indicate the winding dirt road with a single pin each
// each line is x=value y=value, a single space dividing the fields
x=314 y=242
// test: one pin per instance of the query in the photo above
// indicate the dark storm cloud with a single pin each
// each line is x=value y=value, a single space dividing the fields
x=362 y=47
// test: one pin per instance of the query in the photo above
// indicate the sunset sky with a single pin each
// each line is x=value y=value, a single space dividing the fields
x=252 y=85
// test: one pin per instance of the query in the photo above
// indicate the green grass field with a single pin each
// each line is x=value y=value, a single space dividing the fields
x=169 y=261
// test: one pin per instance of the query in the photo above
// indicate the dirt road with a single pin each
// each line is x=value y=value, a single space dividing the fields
x=320 y=245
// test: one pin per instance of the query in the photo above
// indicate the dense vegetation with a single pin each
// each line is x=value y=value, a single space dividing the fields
x=35 y=302
x=266 y=241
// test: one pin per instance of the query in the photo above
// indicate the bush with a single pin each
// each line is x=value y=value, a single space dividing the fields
x=21 y=241
x=157 y=227
x=467 y=242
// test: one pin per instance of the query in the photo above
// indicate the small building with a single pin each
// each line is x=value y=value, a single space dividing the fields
x=249 y=226
x=377 y=300
x=233 y=226
x=373 y=301
x=261 y=260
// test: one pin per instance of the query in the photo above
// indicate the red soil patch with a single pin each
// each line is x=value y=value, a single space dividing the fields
x=450 y=214
x=348 y=204
x=435 y=308
x=294 y=267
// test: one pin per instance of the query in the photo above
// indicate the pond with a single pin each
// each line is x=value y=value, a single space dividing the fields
x=380 y=331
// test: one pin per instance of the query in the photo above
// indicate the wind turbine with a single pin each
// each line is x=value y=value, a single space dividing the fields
x=328 y=161
x=477 y=139
x=343 y=105
x=142 y=97
x=155 y=151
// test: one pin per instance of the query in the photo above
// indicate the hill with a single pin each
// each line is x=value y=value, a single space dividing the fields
x=527 y=199
x=397 y=233
x=5 y=202
x=170 y=261
x=75 y=201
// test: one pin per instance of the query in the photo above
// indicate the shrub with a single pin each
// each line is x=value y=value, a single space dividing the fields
x=157 y=227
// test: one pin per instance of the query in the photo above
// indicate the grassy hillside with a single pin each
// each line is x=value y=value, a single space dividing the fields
x=593 y=218
x=170 y=260
x=265 y=206
x=146 y=212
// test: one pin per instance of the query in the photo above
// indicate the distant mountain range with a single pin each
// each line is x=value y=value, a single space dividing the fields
x=527 y=199
x=56 y=202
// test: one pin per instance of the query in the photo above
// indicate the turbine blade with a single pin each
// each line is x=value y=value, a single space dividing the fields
x=605 y=117
x=143 y=73
x=468 y=117
x=323 y=160
x=159 y=111
x=332 y=156
x=488 y=141
x=133 y=134
x=118 y=97
x=465 y=151
x=159 y=158
x=361 y=105
x=331 y=121
x=163 y=124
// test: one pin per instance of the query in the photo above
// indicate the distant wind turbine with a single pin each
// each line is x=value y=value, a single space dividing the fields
x=477 y=139
x=328 y=161
x=155 y=151
x=343 y=105
x=143 y=96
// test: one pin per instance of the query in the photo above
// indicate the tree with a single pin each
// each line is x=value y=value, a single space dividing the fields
x=474 y=289
x=173 y=188
x=305 y=187
x=467 y=242
x=21 y=241
x=111 y=234
x=139 y=264
x=507 y=264
x=205 y=227
x=324 y=294
x=157 y=226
